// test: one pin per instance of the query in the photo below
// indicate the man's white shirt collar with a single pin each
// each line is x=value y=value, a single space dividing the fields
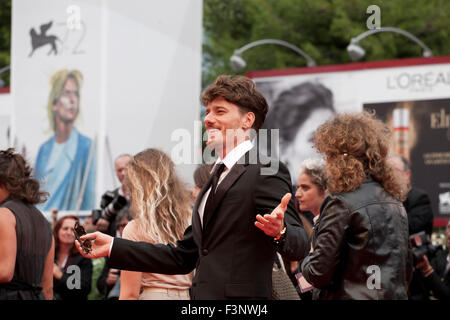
x=234 y=155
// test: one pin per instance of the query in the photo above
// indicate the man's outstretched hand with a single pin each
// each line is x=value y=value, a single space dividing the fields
x=273 y=223
x=100 y=245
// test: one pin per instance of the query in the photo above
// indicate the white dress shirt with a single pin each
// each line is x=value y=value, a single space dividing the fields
x=229 y=161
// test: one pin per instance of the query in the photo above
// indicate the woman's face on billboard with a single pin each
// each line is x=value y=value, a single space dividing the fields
x=66 y=108
x=301 y=147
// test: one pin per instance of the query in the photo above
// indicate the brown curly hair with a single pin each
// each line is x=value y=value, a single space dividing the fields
x=15 y=175
x=356 y=146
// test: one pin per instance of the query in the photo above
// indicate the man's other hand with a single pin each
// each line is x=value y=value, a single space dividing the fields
x=273 y=223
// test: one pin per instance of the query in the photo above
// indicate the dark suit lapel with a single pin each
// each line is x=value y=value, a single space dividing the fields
x=236 y=171
x=196 y=223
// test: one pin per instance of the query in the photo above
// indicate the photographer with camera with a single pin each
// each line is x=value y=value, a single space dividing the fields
x=436 y=270
x=113 y=202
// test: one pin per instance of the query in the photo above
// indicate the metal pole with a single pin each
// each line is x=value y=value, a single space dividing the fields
x=310 y=60
x=427 y=51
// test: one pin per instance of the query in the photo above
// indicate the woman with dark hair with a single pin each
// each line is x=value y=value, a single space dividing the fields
x=72 y=273
x=26 y=244
x=360 y=242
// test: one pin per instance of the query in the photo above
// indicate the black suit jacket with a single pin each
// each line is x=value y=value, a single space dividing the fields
x=233 y=258
x=420 y=214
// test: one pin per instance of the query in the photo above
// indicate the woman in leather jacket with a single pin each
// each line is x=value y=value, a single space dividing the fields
x=359 y=247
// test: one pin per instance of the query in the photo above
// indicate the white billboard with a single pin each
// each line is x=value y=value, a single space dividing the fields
x=93 y=79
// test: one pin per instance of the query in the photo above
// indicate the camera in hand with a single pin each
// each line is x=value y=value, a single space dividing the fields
x=421 y=246
x=110 y=205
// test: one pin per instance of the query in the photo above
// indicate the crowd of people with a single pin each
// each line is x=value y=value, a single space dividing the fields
x=344 y=233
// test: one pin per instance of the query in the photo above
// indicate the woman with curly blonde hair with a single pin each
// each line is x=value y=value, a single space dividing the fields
x=161 y=208
x=360 y=242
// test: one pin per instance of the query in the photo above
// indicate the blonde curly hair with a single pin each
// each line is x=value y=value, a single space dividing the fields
x=160 y=204
x=356 y=146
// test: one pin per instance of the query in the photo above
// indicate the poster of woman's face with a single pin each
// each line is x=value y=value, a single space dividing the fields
x=65 y=164
x=66 y=107
x=302 y=147
x=297 y=111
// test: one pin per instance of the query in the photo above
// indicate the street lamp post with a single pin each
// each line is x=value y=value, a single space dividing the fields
x=238 y=63
x=356 y=52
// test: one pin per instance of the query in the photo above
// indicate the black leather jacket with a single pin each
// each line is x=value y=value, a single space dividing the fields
x=360 y=247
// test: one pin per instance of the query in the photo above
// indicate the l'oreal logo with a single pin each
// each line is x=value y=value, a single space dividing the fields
x=418 y=81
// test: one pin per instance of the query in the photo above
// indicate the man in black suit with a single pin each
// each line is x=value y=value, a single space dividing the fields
x=232 y=253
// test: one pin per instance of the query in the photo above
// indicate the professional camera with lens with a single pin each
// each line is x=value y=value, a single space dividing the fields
x=107 y=198
x=421 y=246
x=110 y=205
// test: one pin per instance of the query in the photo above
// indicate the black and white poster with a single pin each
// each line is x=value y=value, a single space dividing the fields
x=416 y=89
